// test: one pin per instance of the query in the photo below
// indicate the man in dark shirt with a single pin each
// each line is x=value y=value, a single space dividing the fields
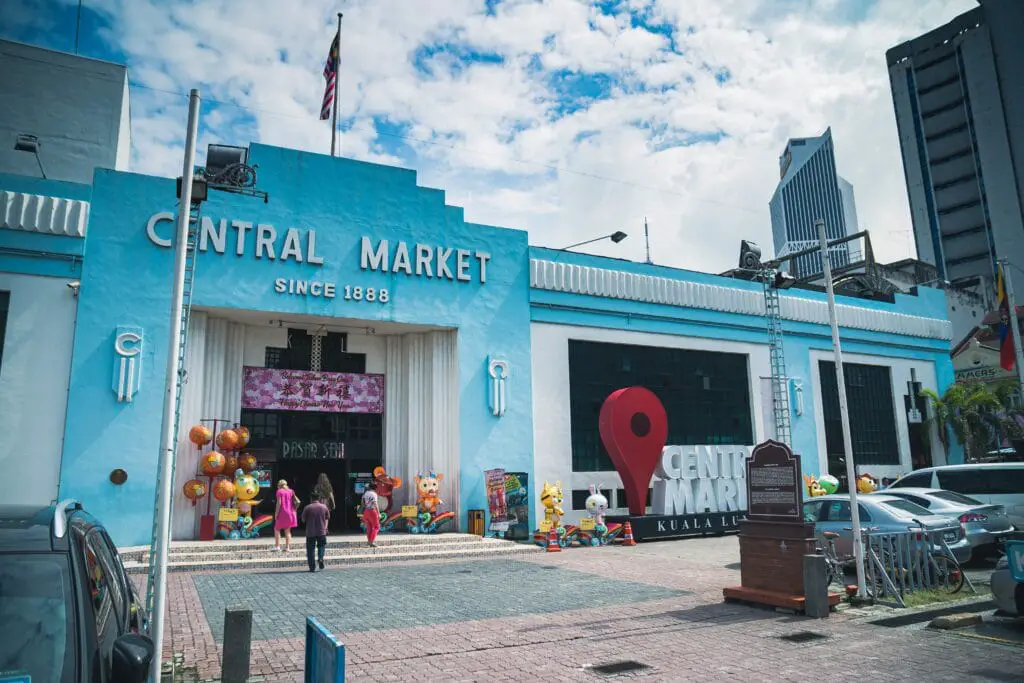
x=315 y=518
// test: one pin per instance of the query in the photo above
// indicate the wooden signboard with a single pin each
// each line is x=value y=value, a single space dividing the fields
x=774 y=484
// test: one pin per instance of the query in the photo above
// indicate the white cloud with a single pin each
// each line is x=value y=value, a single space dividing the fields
x=794 y=68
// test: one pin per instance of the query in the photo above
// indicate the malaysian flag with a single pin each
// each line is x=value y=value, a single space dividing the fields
x=330 y=76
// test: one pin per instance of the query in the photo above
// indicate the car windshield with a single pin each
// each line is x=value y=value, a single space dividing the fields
x=904 y=508
x=38 y=628
x=954 y=497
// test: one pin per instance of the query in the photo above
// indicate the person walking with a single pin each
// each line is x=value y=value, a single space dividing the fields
x=315 y=516
x=371 y=514
x=284 y=515
x=326 y=491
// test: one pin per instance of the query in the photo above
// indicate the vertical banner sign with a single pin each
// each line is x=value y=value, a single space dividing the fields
x=517 y=502
x=494 y=480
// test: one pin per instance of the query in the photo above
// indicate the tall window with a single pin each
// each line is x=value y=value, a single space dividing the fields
x=5 y=303
x=872 y=416
x=706 y=395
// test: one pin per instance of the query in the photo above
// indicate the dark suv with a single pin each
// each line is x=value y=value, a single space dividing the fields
x=68 y=612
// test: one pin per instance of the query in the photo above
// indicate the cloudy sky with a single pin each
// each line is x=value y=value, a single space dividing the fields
x=567 y=118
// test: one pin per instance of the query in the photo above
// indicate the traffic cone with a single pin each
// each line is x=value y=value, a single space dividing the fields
x=627 y=535
x=553 y=546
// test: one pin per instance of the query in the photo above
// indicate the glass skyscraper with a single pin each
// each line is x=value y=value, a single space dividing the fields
x=809 y=188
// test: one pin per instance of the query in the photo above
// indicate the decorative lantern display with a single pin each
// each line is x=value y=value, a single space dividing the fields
x=243 y=436
x=224 y=490
x=212 y=464
x=194 y=489
x=200 y=435
x=247 y=462
x=230 y=464
x=228 y=440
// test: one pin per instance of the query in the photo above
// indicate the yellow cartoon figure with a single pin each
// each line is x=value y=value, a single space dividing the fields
x=246 y=489
x=427 y=489
x=551 y=497
x=814 y=488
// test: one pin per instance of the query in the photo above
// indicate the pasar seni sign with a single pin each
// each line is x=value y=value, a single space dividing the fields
x=264 y=242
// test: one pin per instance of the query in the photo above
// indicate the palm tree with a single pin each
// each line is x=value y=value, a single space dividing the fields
x=972 y=411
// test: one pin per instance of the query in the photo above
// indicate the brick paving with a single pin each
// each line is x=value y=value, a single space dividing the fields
x=658 y=604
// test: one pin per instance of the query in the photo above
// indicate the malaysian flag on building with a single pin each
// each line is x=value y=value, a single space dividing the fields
x=330 y=76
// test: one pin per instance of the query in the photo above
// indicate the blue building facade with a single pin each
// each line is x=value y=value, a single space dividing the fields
x=492 y=354
x=810 y=188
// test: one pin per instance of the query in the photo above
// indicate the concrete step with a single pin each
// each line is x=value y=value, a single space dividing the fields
x=296 y=558
x=258 y=547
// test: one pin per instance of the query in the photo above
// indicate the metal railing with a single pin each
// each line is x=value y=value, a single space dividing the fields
x=898 y=563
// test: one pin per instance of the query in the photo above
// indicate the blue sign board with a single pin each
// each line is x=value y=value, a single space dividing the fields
x=325 y=656
x=1015 y=558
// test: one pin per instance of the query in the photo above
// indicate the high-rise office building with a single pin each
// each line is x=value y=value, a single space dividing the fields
x=809 y=188
x=958 y=92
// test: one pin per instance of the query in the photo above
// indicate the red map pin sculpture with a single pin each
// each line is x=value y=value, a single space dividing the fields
x=633 y=428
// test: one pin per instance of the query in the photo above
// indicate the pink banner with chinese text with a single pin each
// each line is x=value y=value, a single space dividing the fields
x=304 y=390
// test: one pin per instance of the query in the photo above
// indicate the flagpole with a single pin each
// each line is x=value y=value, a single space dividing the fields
x=1018 y=352
x=337 y=74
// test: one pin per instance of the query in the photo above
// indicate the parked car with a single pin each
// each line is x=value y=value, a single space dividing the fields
x=1007 y=593
x=68 y=610
x=986 y=526
x=990 y=483
x=883 y=513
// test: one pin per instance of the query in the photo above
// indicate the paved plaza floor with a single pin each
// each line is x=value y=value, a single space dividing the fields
x=654 y=611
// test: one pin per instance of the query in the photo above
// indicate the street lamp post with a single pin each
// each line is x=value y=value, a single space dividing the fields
x=615 y=237
x=844 y=413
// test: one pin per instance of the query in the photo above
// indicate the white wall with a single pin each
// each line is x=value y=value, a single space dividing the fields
x=77 y=107
x=899 y=370
x=34 y=385
x=552 y=439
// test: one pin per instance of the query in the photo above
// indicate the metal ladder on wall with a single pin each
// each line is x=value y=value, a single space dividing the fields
x=186 y=309
x=777 y=359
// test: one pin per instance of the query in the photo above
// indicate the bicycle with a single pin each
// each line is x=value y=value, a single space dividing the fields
x=946 y=569
x=837 y=565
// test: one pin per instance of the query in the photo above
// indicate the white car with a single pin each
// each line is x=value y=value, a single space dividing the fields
x=989 y=483
x=1007 y=593
x=986 y=526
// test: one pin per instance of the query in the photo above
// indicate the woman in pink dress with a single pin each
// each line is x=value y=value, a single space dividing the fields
x=285 y=518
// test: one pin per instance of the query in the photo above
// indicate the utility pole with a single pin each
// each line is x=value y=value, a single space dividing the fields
x=844 y=413
x=1018 y=353
x=166 y=461
x=647 y=242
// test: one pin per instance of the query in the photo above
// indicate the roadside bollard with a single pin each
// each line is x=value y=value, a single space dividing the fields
x=815 y=586
x=237 y=643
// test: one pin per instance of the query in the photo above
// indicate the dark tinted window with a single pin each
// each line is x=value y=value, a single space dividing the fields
x=905 y=508
x=706 y=395
x=5 y=304
x=1005 y=481
x=837 y=511
x=916 y=480
x=812 y=510
x=916 y=500
x=115 y=578
x=36 y=617
x=957 y=498
x=872 y=415
x=968 y=481
x=98 y=589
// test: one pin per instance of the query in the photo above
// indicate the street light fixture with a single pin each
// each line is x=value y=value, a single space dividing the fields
x=29 y=143
x=615 y=237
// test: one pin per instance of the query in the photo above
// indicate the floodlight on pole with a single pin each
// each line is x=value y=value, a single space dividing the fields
x=30 y=144
x=615 y=237
x=844 y=413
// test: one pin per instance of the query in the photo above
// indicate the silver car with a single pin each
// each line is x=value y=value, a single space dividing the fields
x=883 y=513
x=985 y=525
x=1007 y=593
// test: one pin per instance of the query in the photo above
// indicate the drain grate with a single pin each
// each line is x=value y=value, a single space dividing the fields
x=803 y=637
x=622 y=667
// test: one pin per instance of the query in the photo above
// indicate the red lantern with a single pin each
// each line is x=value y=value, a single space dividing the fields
x=194 y=489
x=224 y=490
x=227 y=440
x=212 y=464
x=247 y=462
x=200 y=435
x=243 y=436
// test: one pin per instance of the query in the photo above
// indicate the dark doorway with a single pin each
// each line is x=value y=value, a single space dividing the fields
x=299 y=446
